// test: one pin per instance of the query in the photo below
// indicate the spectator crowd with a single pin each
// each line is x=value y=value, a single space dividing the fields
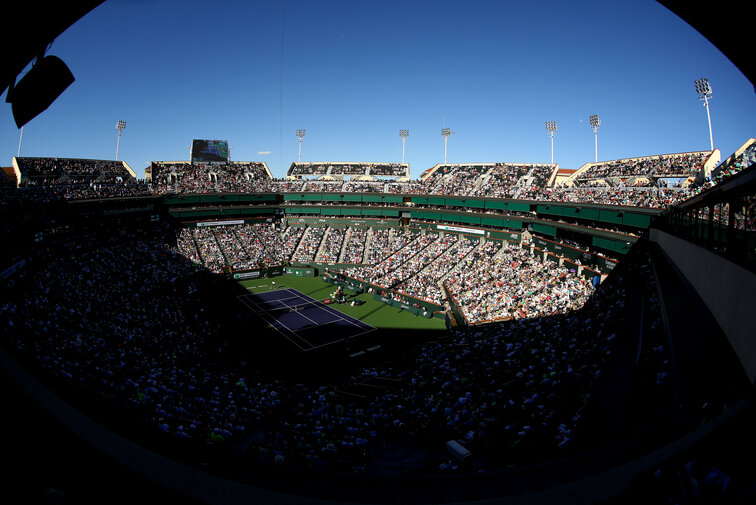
x=635 y=182
x=110 y=320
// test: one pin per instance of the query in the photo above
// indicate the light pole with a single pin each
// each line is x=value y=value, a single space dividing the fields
x=20 y=136
x=300 y=136
x=703 y=88
x=445 y=133
x=551 y=127
x=120 y=126
x=190 y=153
x=403 y=134
x=595 y=122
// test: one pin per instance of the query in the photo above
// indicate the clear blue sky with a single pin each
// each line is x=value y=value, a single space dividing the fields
x=353 y=73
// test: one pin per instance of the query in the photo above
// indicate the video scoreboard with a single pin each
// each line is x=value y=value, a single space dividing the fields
x=209 y=151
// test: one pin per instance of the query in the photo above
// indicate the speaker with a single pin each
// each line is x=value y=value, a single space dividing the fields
x=39 y=88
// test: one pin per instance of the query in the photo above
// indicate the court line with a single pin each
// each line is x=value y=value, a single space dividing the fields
x=317 y=304
x=268 y=320
x=344 y=317
x=343 y=339
x=354 y=321
x=341 y=316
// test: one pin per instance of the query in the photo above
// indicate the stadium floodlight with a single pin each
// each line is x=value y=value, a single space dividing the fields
x=703 y=88
x=300 y=136
x=595 y=122
x=445 y=132
x=403 y=134
x=120 y=126
x=551 y=127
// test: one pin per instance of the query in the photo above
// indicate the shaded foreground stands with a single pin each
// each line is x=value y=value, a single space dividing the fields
x=515 y=393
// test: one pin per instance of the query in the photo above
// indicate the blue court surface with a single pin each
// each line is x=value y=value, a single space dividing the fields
x=307 y=323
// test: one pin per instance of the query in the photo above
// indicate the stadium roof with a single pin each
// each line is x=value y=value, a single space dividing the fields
x=34 y=26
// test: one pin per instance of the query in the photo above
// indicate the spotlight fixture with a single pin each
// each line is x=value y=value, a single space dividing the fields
x=703 y=88
x=300 y=136
x=38 y=89
x=595 y=122
x=551 y=127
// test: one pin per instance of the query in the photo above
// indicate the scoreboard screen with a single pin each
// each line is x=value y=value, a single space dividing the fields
x=209 y=151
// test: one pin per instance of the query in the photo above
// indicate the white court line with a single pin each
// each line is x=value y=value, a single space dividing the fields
x=342 y=316
x=268 y=320
x=282 y=300
x=303 y=298
x=341 y=340
x=352 y=320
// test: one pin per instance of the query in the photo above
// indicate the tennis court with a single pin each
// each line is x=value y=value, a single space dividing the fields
x=307 y=323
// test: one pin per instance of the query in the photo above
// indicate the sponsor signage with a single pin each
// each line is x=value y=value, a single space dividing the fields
x=460 y=229
x=247 y=275
x=220 y=223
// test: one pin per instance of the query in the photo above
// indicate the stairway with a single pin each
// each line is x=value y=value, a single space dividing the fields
x=344 y=244
x=321 y=246
x=368 y=241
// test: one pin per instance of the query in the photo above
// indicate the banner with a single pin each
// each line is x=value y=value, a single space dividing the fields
x=220 y=223
x=459 y=229
x=258 y=273
x=300 y=271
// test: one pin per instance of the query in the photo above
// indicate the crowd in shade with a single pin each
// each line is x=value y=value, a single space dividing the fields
x=107 y=320
x=513 y=283
x=42 y=192
x=51 y=169
x=506 y=390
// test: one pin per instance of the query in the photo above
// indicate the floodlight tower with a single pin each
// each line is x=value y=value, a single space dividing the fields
x=20 y=136
x=595 y=122
x=551 y=127
x=300 y=136
x=403 y=134
x=120 y=126
x=703 y=88
x=445 y=133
